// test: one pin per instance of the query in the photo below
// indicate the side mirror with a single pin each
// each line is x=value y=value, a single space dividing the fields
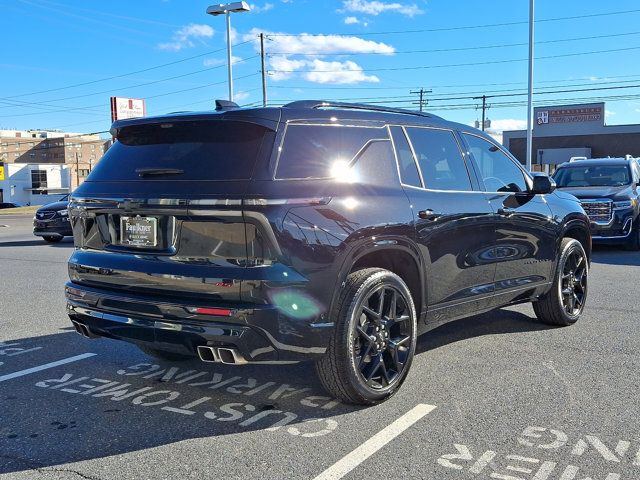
x=542 y=183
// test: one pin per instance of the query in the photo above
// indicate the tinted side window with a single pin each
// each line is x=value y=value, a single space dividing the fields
x=440 y=160
x=407 y=163
x=375 y=165
x=499 y=172
x=313 y=151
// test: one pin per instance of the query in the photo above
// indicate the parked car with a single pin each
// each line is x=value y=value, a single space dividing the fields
x=315 y=231
x=8 y=205
x=609 y=191
x=51 y=221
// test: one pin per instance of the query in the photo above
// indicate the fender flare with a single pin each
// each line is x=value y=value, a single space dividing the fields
x=382 y=243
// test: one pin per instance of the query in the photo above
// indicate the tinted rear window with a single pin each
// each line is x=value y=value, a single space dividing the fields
x=311 y=151
x=203 y=150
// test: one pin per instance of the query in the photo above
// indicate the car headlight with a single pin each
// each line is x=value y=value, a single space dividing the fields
x=64 y=213
x=624 y=204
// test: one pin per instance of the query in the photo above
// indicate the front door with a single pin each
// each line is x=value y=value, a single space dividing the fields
x=526 y=244
x=453 y=221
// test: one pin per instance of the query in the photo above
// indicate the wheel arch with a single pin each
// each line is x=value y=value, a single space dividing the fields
x=395 y=255
x=581 y=232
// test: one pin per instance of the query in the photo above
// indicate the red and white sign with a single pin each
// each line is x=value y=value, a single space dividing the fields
x=122 y=108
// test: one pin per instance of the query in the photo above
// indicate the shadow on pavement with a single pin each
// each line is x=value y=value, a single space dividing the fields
x=490 y=323
x=615 y=256
x=122 y=400
x=37 y=242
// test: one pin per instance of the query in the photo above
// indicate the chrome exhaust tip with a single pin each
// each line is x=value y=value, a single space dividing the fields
x=231 y=356
x=226 y=355
x=208 y=354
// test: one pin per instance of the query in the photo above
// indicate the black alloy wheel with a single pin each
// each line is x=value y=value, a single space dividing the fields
x=382 y=343
x=573 y=286
x=374 y=339
x=563 y=304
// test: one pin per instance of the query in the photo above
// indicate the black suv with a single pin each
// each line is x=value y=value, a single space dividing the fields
x=323 y=231
x=51 y=221
x=609 y=190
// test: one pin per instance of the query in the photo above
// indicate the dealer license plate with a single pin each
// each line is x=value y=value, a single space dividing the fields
x=139 y=231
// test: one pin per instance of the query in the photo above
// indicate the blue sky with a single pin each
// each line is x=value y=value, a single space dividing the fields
x=63 y=59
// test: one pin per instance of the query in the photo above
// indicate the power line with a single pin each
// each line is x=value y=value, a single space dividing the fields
x=113 y=77
x=463 y=27
x=490 y=62
x=458 y=49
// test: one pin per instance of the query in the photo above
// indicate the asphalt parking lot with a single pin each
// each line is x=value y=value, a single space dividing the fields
x=493 y=396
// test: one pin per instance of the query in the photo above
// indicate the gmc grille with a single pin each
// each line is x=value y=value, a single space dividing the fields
x=598 y=211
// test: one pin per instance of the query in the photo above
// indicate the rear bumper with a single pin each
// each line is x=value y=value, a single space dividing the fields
x=260 y=333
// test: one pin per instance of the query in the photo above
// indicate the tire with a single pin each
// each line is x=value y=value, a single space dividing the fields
x=344 y=367
x=51 y=239
x=564 y=309
x=164 y=355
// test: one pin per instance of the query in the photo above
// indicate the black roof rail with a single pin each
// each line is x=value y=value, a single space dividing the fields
x=354 y=106
x=222 y=105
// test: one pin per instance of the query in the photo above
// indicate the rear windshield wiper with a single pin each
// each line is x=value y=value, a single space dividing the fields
x=145 y=172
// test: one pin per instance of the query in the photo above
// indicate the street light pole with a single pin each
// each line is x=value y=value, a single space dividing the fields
x=228 y=9
x=530 y=91
x=229 y=70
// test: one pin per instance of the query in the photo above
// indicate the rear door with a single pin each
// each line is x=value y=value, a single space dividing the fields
x=452 y=220
x=526 y=242
x=161 y=213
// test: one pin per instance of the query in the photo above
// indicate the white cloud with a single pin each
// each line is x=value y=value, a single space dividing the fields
x=283 y=67
x=351 y=20
x=301 y=54
x=376 y=7
x=609 y=113
x=185 y=36
x=260 y=9
x=240 y=96
x=337 y=72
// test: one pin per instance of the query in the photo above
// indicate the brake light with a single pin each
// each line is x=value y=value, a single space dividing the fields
x=218 y=312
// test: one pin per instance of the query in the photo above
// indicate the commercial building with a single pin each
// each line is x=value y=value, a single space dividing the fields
x=74 y=155
x=34 y=184
x=565 y=131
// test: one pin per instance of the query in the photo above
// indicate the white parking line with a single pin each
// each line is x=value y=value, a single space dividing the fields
x=46 y=366
x=375 y=443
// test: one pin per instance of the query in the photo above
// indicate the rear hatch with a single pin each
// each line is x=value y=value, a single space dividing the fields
x=161 y=213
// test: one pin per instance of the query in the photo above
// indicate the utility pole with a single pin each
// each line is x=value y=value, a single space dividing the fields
x=530 y=90
x=484 y=108
x=77 y=171
x=422 y=101
x=264 y=71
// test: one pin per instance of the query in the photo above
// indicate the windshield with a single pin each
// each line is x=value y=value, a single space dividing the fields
x=203 y=150
x=593 y=176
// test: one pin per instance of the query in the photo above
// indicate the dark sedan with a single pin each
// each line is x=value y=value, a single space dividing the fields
x=608 y=189
x=51 y=221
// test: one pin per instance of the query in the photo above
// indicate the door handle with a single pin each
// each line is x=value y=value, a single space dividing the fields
x=506 y=211
x=428 y=214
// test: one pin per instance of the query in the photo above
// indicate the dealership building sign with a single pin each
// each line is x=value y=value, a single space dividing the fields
x=122 y=108
x=569 y=119
x=570 y=115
